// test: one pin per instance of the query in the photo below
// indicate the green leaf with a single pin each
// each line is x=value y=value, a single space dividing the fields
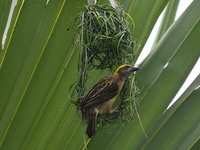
x=168 y=18
x=184 y=131
x=5 y=7
x=145 y=14
x=168 y=46
x=196 y=145
x=40 y=59
x=39 y=65
x=169 y=112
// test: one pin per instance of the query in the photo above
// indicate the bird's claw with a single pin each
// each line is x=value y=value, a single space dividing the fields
x=121 y=106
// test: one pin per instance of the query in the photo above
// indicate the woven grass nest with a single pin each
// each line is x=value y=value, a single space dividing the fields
x=106 y=36
x=106 y=41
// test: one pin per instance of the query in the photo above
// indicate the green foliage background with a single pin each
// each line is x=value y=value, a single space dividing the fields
x=38 y=66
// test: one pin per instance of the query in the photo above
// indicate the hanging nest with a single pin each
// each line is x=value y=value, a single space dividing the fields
x=106 y=37
x=106 y=41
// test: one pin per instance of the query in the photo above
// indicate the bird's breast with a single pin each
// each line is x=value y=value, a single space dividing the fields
x=107 y=105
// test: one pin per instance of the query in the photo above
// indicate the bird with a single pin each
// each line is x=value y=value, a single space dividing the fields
x=100 y=98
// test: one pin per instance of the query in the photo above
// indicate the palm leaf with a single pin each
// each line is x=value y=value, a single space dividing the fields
x=39 y=64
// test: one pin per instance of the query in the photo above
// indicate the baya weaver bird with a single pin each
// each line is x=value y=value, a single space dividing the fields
x=100 y=98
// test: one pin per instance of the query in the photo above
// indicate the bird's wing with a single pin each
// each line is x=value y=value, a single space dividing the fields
x=104 y=90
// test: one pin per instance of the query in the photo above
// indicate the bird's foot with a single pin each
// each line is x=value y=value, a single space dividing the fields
x=117 y=108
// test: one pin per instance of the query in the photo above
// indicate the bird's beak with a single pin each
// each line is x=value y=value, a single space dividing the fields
x=133 y=68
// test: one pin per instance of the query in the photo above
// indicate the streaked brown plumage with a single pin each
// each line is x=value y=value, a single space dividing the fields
x=100 y=98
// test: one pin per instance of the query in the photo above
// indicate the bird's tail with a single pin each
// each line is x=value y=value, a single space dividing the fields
x=91 y=125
